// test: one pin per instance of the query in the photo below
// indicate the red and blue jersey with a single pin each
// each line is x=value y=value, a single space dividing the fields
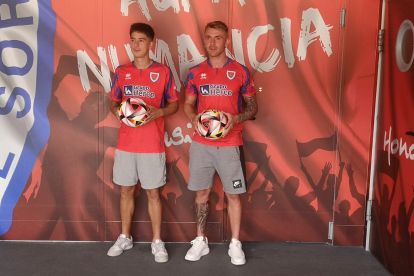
x=221 y=89
x=153 y=85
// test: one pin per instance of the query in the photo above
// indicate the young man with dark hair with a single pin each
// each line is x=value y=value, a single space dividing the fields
x=140 y=151
x=218 y=83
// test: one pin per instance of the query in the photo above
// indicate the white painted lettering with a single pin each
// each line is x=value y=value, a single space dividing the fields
x=274 y=57
x=102 y=75
x=186 y=46
x=321 y=30
x=287 y=41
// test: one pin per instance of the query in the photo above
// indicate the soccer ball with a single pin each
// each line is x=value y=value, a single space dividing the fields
x=133 y=112
x=211 y=124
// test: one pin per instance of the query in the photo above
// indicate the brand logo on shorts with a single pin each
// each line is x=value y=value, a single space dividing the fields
x=237 y=184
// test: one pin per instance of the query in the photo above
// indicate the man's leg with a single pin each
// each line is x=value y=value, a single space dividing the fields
x=152 y=173
x=200 y=243
x=155 y=212
x=127 y=207
x=202 y=172
x=234 y=210
x=230 y=169
x=201 y=209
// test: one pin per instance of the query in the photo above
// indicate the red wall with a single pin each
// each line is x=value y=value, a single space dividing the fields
x=307 y=152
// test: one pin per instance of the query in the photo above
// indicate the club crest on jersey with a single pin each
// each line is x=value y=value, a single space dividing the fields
x=231 y=74
x=154 y=76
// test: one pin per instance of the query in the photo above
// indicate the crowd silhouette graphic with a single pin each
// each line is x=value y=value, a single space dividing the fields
x=62 y=191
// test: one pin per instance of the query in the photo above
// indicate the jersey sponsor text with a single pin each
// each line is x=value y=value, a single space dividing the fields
x=138 y=90
x=215 y=90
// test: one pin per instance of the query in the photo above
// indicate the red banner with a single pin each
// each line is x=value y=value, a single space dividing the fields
x=306 y=153
x=393 y=230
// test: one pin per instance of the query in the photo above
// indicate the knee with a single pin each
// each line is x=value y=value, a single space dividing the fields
x=153 y=194
x=127 y=192
x=233 y=198
x=202 y=196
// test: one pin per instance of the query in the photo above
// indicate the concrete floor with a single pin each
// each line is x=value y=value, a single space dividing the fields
x=263 y=258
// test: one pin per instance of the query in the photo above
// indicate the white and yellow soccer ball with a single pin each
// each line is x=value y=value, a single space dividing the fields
x=211 y=124
x=133 y=112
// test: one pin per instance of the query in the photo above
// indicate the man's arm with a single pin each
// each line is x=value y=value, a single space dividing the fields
x=171 y=107
x=154 y=113
x=190 y=110
x=114 y=108
x=248 y=113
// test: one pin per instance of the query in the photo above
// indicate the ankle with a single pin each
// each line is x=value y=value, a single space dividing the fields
x=204 y=237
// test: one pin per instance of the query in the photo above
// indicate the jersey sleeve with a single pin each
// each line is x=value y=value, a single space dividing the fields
x=116 y=91
x=190 y=87
x=170 y=92
x=247 y=88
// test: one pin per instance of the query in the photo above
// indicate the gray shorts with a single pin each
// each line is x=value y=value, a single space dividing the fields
x=149 y=168
x=227 y=161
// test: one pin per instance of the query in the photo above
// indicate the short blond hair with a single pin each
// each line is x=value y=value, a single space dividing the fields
x=218 y=25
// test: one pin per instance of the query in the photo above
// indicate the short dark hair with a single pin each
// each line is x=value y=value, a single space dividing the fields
x=142 y=28
x=218 y=25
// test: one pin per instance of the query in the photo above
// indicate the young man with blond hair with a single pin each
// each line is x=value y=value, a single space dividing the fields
x=218 y=83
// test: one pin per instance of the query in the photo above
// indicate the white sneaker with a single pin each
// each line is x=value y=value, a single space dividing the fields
x=159 y=251
x=198 y=250
x=121 y=244
x=236 y=253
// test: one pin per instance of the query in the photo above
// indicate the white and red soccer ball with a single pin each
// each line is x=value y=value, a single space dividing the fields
x=133 y=112
x=211 y=124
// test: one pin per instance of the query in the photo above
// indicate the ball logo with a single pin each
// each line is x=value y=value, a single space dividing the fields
x=154 y=76
x=231 y=74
